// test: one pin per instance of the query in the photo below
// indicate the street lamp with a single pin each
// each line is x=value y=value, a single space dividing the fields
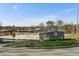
x=77 y=19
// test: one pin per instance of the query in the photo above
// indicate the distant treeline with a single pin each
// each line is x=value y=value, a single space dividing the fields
x=44 y=27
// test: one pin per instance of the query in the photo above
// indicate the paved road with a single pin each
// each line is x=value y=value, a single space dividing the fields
x=39 y=52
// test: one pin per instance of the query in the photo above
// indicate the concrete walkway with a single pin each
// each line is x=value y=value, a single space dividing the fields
x=27 y=36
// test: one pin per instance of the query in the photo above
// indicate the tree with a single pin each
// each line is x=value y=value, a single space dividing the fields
x=50 y=25
x=41 y=25
x=59 y=24
x=32 y=27
x=70 y=28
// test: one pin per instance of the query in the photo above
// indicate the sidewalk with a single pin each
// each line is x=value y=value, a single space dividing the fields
x=36 y=37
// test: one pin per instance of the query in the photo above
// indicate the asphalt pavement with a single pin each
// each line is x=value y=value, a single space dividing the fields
x=39 y=52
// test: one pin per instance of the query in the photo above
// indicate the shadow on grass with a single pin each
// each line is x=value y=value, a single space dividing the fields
x=2 y=41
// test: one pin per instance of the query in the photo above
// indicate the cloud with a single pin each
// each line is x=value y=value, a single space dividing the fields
x=65 y=11
x=15 y=7
x=35 y=21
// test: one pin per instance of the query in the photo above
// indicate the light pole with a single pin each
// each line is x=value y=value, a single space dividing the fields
x=14 y=33
x=77 y=19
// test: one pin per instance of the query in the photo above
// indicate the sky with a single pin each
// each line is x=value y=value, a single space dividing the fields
x=28 y=14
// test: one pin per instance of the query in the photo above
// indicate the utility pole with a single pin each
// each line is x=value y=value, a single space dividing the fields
x=77 y=19
x=0 y=29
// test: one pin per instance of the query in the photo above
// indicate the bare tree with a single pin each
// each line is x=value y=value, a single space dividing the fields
x=59 y=24
x=42 y=27
x=50 y=25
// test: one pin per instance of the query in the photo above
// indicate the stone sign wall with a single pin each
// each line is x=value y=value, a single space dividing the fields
x=52 y=35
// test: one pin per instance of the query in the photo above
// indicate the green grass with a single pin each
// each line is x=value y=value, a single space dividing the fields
x=45 y=43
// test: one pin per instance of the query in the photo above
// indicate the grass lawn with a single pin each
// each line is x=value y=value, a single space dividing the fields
x=45 y=43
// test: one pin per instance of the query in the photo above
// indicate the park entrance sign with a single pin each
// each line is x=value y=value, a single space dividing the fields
x=52 y=35
x=58 y=35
